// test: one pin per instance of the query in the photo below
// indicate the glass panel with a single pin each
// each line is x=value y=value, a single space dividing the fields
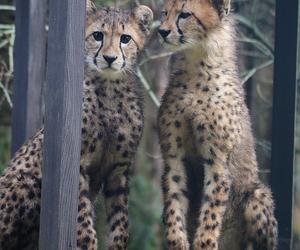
x=255 y=39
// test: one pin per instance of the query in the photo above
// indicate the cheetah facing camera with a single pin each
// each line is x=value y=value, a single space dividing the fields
x=213 y=198
x=112 y=123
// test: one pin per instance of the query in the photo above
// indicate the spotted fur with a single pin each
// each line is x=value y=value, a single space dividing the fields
x=112 y=124
x=213 y=198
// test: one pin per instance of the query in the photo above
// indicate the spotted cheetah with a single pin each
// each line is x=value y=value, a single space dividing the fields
x=213 y=198
x=112 y=123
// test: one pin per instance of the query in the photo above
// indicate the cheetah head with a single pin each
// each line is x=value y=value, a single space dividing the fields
x=189 y=22
x=114 y=38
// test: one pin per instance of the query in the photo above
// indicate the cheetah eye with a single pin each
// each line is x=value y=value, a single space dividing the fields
x=125 y=39
x=184 y=15
x=98 y=36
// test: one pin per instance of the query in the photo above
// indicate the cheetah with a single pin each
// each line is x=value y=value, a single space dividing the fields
x=112 y=124
x=213 y=198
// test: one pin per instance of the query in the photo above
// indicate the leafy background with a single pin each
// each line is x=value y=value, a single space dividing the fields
x=255 y=39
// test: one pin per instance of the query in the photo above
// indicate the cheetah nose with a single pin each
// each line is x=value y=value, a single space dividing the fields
x=164 y=33
x=110 y=59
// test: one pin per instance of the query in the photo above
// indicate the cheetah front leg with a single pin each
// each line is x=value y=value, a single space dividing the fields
x=116 y=192
x=175 y=203
x=214 y=203
x=86 y=233
x=174 y=184
x=260 y=223
x=213 y=148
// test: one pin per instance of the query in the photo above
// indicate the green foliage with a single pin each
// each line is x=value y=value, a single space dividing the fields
x=104 y=2
x=6 y=68
x=145 y=215
x=4 y=147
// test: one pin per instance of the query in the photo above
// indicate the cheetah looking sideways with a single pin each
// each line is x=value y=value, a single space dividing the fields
x=213 y=198
x=112 y=123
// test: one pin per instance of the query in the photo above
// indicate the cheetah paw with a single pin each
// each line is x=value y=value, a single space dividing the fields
x=178 y=244
x=206 y=244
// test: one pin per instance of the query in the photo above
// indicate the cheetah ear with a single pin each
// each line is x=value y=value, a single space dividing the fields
x=90 y=7
x=223 y=7
x=144 y=16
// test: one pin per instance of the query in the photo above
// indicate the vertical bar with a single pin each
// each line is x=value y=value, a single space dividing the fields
x=29 y=69
x=62 y=125
x=284 y=108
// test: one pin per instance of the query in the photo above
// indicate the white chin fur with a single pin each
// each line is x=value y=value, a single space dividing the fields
x=110 y=73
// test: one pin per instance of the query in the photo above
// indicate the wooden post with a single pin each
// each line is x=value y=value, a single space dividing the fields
x=284 y=108
x=29 y=69
x=62 y=141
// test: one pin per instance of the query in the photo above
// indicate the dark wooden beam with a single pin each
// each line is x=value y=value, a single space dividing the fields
x=29 y=69
x=62 y=140
x=284 y=109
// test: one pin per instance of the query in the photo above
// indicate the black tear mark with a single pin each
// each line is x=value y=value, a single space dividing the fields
x=123 y=56
x=97 y=54
x=181 y=38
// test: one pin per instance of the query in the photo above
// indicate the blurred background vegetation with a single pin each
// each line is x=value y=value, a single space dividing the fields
x=255 y=39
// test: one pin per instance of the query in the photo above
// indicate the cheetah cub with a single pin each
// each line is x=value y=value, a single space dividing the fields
x=112 y=123
x=213 y=198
